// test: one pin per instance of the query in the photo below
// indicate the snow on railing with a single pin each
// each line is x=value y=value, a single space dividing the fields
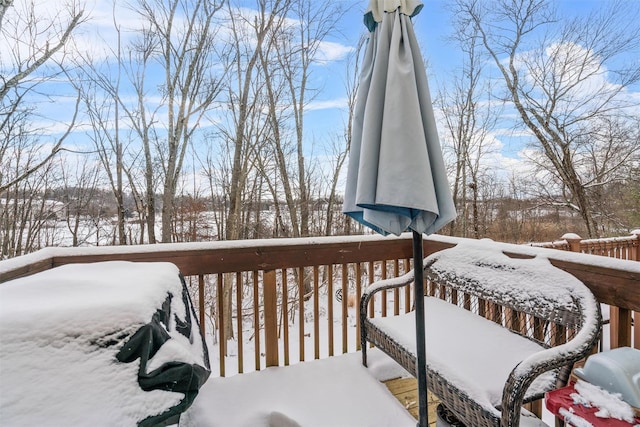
x=624 y=247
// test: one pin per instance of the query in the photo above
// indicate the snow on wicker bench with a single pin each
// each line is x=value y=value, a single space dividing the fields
x=500 y=331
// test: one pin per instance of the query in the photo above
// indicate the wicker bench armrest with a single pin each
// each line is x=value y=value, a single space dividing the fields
x=563 y=355
x=391 y=283
x=381 y=285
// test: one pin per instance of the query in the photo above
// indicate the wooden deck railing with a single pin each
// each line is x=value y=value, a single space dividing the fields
x=625 y=247
x=282 y=291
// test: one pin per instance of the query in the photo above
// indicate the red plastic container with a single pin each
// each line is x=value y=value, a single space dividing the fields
x=561 y=398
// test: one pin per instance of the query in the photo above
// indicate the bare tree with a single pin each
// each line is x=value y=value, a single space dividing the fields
x=470 y=115
x=563 y=79
x=341 y=149
x=275 y=156
x=24 y=209
x=612 y=161
x=4 y=6
x=297 y=47
x=247 y=39
x=81 y=209
x=179 y=39
x=100 y=92
x=34 y=47
x=33 y=56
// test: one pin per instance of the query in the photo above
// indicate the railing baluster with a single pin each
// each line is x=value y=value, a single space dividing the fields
x=466 y=301
x=330 y=308
x=396 y=291
x=558 y=334
x=301 y=311
x=497 y=313
x=407 y=289
x=538 y=328
x=383 y=294
x=285 y=315
x=620 y=327
x=239 y=322
x=482 y=308
x=345 y=297
x=372 y=278
x=270 y=317
x=222 y=340
x=316 y=313
x=256 y=318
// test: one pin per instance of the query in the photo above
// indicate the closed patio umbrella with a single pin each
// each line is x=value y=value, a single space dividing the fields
x=396 y=179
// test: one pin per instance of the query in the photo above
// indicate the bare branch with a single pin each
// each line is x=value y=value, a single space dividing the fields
x=55 y=150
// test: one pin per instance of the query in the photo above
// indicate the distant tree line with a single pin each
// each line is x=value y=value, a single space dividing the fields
x=196 y=123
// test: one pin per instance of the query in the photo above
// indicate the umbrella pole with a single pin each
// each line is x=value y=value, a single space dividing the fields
x=420 y=330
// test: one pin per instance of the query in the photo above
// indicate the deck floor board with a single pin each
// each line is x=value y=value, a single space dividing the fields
x=406 y=391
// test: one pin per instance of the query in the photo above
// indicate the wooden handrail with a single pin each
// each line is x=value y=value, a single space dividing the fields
x=276 y=272
x=624 y=247
x=224 y=256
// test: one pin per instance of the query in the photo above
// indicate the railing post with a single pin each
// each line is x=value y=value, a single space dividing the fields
x=573 y=240
x=270 y=318
x=620 y=327
x=635 y=249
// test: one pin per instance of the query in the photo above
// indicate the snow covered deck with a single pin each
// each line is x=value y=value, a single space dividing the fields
x=337 y=391
x=266 y=277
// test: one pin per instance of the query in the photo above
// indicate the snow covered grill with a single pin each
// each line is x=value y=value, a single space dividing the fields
x=100 y=344
x=500 y=331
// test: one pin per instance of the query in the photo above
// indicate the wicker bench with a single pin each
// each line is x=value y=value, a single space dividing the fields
x=500 y=331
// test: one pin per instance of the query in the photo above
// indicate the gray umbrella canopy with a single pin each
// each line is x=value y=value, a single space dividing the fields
x=396 y=178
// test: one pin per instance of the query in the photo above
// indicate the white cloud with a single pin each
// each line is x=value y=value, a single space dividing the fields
x=331 y=51
x=327 y=104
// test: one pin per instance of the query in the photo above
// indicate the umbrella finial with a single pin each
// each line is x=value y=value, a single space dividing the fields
x=377 y=8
